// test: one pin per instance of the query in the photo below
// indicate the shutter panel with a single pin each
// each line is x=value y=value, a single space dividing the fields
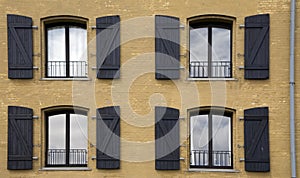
x=167 y=146
x=256 y=135
x=108 y=137
x=19 y=31
x=257 y=47
x=108 y=47
x=20 y=134
x=167 y=47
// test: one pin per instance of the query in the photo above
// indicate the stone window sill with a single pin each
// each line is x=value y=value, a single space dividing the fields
x=213 y=170
x=65 y=79
x=65 y=169
x=212 y=79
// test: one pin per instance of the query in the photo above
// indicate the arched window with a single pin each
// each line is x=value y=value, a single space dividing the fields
x=66 y=137
x=210 y=48
x=66 y=45
x=211 y=138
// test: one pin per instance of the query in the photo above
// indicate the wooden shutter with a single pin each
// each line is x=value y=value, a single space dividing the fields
x=108 y=47
x=256 y=135
x=167 y=144
x=108 y=137
x=167 y=47
x=20 y=133
x=257 y=47
x=19 y=31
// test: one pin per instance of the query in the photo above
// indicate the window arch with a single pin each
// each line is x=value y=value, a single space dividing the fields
x=66 y=137
x=210 y=45
x=211 y=137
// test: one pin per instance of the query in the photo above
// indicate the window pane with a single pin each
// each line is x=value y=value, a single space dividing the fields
x=221 y=137
x=78 y=139
x=57 y=139
x=56 y=51
x=221 y=52
x=199 y=52
x=78 y=51
x=199 y=140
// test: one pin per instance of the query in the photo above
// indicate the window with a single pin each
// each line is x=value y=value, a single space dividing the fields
x=66 y=45
x=211 y=139
x=210 y=49
x=66 y=142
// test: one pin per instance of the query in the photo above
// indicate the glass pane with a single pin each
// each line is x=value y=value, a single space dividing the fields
x=56 y=52
x=221 y=137
x=221 y=52
x=78 y=52
x=57 y=139
x=78 y=139
x=199 y=52
x=199 y=140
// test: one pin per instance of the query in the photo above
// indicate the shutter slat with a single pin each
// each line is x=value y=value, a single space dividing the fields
x=20 y=138
x=20 y=49
x=257 y=46
x=256 y=135
x=167 y=143
x=167 y=47
x=108 y=47
x=108 y=137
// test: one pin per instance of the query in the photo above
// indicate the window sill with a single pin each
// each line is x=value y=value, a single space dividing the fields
x=65 y=79
x=213 y=170
x=65 y=169
x=212 y=79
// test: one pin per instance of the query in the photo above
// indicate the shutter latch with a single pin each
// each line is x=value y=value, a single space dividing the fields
x=242 y=26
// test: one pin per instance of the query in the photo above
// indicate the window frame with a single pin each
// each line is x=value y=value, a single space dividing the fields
x=211 y=111
x=66 y=24
x=68 y=112
x=209 y=23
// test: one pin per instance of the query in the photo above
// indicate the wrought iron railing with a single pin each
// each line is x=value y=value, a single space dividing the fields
x=201 y=69
x=59 y=157
x=219 y=158
x=64 y=69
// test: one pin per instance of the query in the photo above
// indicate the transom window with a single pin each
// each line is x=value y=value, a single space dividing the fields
x=66 y=45
x=211 y=139
x=67 y=141
x=210 y=49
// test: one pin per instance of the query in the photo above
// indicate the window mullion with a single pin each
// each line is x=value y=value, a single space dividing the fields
x=67 y=36
x=67 y=138
x=209 y=52
x=210 y=146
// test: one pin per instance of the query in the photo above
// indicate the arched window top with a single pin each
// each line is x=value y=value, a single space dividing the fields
x=211 y=18
x=218 y=110
x=53 y=110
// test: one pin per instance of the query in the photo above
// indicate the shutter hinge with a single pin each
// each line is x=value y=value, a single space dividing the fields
x=182 y=67
x=182 y=158
x=242 y=26
x=93 y=27
x=35 y=117
x=181 y=26
x=241 y=118
x=35 y=27
x=181 y=118
x=35 y=158
x=94 y=157
x=93 y=117
x=35 y=68
x=94 y=68
x=240 y=146
x=242 y=159
x=241 y=67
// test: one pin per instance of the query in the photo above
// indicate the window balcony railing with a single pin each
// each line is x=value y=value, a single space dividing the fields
x=59 y=157
x=217 y=69
x=64 y=69
x=199 y=158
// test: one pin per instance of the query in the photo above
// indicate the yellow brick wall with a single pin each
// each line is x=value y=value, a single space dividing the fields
x=137 y=91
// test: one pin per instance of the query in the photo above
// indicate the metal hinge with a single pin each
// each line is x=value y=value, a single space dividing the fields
x=35 y=158
x=181 y=26
x=35 y=27
x=242 y=159
x=94 y=157
x=35 y=68
x=93 y=27
x=35 y=117
x=94 y=68
x=93 y=117
x=181 y=118
x=242 y=26
x=182 y=158
x=241 y=118
x=241 y=67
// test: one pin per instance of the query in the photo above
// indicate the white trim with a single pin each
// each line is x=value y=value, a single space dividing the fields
x=213 y=170
x=212 y=79
x=65 y=79
x=65 y=169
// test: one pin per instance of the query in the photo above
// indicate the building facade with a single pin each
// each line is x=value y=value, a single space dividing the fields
x=164 y=88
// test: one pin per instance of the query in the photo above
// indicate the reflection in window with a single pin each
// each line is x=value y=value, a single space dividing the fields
x=210 y=144
x=67 y=139
x=210 y=50
x=66 y=50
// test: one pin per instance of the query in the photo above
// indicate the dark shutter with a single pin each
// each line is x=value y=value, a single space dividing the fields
x=167 y=47
x=257 y=47
x=256 y=135
x=19 y=31
x=20 y=135
x=108 y=47
x=167 y=144
x=108 y=137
